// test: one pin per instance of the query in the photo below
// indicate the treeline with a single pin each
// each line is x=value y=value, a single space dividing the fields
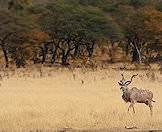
x=62 y=30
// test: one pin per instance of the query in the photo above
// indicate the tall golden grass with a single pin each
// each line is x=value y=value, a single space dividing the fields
x=78 y=99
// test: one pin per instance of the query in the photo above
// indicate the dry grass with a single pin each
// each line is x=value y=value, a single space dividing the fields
x=74 y=99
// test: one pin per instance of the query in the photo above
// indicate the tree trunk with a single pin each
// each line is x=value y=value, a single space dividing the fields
x=90 y=49
x=53 y=59
x=2 y=43
x=136 y=56
x=139 y=54
x=44 y=53
x=64 y=60
x=65 y=56
x=76 y=51
x=111 y=51
x=127 y=49
x=5 y=55
x=43 y=56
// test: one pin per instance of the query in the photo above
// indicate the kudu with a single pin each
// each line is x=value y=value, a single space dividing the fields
x=135 y=95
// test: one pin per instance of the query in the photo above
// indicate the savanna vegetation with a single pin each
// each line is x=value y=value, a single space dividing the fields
x=66 y=31
x=42 y=42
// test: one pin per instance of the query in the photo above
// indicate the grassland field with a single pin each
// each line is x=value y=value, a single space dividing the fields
x=75 y=100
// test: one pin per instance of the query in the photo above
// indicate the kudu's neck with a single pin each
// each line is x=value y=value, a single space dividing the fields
x=125 y=90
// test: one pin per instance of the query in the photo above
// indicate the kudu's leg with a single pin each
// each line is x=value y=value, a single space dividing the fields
x=151 y=107
x=131 y=105
x=133 y=109
x=149 y=104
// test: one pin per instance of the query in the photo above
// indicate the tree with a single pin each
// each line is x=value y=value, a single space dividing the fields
x=71 y=29
x=139 y=3
x=18 y=4
x=158 y=6
x=7 y=30
x=144 y=32
x=13 y=34
x=72 y=26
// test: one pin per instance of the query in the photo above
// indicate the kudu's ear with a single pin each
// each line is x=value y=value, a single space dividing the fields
x=127 y=82
x=120 y=83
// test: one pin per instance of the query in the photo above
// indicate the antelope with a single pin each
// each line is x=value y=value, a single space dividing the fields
x=135 y=95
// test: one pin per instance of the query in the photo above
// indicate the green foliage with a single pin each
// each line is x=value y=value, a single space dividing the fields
x=91 y=2
x=139 y=3
x=159 y=6
x=79 y=24
x=89 y=21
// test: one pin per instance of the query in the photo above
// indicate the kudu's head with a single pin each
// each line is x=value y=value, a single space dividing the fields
x=124 y=84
